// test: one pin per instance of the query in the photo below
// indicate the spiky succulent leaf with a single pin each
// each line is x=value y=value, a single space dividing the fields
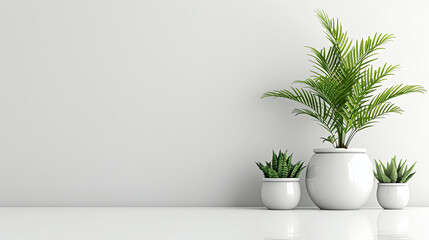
x=263 y=169
x=280 y=154
x=275 y=161
x=384 y=167
x=272 y=173
x=295 y=170
x=409 y=177
x=388 y=170
x=407 y=173
x=382 y=178
x=377 y=168
x=283 y=171
x=393 y=173
x=401 y=170
x=289 y=165
x=299 y=171
x=289 y=159
x=412 y=167
x=376 y=176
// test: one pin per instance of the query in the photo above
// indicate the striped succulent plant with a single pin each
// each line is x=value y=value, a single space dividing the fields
x=392 y=172
x=281 y=166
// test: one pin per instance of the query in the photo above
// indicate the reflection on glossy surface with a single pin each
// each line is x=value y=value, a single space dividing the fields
x=317 y=225
x=340 y=225
x=363 y=224
x=211 y=223
x=393 y=224
x=285 y=225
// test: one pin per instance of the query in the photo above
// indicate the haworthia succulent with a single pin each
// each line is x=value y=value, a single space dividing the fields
x=393 y=172
x=281 y=166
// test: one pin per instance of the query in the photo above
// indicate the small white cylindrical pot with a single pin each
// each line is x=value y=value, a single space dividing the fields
x=339 y=179
x=280 y=193
x=393 y=195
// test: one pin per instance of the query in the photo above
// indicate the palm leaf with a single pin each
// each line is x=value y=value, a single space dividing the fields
x=341 y=95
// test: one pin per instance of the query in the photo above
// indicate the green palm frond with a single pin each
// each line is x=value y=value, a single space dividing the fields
x=344 y=93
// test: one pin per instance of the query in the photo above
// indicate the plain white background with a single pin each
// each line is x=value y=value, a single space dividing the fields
x=157 y=103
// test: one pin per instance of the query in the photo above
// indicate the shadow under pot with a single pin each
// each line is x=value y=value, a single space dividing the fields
x=280 y=193
x=393 y=195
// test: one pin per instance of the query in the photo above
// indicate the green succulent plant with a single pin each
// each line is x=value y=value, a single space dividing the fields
x=281 y=166
x=344 y=93
x=393 y=172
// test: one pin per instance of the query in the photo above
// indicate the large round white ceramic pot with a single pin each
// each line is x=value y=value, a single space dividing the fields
x=393 y=195
x=339 y=179
x=280 y=193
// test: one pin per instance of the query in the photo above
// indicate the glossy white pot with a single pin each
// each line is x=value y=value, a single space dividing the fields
x=393 y=195
x=280 y=193
x=339 y=179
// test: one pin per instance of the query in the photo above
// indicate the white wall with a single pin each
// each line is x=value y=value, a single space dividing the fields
x=156 y=103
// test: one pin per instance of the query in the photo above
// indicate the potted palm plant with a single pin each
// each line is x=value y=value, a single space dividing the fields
x=280 y=187
x=392 y=190
x=343 y=95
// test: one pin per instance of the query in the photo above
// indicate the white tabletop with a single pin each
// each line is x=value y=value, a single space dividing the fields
x=211 y=223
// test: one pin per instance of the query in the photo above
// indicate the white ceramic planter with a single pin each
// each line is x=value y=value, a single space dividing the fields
x=339 y=179
x=393 y=195
x=280 y=193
